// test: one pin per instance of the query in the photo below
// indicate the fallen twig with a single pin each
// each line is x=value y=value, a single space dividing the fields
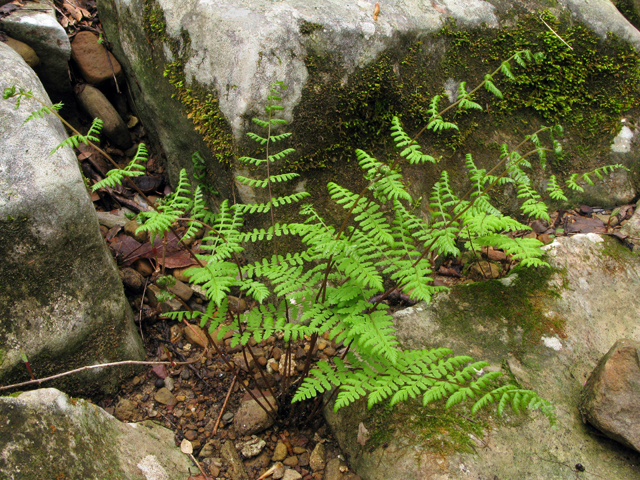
x=215 y=427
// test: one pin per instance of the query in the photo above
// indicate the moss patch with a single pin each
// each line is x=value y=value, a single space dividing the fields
x=433 y=427
x=586 y=90
x=519 y=309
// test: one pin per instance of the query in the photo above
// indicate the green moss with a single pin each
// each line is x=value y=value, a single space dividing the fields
x=307 y=28
x=586 y=89
x=200 y=103
x=433 y=427
x=519 y=308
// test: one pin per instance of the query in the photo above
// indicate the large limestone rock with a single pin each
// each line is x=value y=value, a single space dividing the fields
x=46 y=434
x=347 y=73
x=61 y=300
x=547 y=331
x=36 y=25
x=611 y=397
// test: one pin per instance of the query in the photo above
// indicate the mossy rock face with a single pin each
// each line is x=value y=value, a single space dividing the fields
x=200 y=73
x=68 y=438
x=61 y=300
x=546 y=329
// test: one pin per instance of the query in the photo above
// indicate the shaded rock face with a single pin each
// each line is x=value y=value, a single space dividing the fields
x=36 y=25
x=611 y=397
x=61 y=300
x=548 y=331
x=46 y=434
x=334 y=57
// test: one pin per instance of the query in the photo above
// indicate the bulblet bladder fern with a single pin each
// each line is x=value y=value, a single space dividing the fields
x=328 y=284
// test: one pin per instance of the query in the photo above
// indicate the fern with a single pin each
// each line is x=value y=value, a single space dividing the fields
x=133 y=169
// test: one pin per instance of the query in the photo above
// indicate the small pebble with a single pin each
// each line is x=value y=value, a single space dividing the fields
x=159 y=383
x=227 y=417
x=185 y=374
x=169 y=383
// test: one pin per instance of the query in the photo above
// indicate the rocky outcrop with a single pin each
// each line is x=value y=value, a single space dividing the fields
x=547 y=330
x=61 y=300
x=611 y=397
x=50 y=435
x=36 y=25
x=197 y=87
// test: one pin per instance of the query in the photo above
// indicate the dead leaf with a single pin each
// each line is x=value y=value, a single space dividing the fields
x=363 y=434
x=376 y=11
x=576 y=224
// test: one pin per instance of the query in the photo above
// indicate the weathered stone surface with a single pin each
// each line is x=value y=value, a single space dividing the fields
x=61 y=299
x=235 y=466
x=611 y=398
x=25 y=51
x=316 y=49
x=96 y=105
x=35 y=24
x=318 y=456
x=95 y=62
x=593 y=303
x=251 y=418
x=46 y=434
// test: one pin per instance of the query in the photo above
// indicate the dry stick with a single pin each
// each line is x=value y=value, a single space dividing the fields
x=484 y=275
x=106 y=50
x=91 y=367
x=224 y=405
x=235 y=369
x=554 y=32
x=144 y=290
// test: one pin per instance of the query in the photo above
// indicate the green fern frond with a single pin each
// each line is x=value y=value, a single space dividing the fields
x=133 y=169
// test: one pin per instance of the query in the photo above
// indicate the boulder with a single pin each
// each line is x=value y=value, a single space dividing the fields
x=197 y=87
x=611 y=398
x=95 y=62
x=36 y=25
x=47 y=434
x=546 y=330
x=61 y=300
x=94 y=102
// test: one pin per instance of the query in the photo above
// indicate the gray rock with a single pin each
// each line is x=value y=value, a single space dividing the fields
x=332 y=470
x=36 y=25
x=257 y=42
x=611 y=398
x=61 y=299
x=251 y=418
x=96 y=104
x=72 y=438
x=594 y=304
x=317 y=459
x=252 y=447
x=235 y=467
x=290 y=474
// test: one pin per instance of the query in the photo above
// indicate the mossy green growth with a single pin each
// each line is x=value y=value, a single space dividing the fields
x=519 y=307
x=586 y=89
x=431 y=428
x=307 y=28
x=201 y=104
